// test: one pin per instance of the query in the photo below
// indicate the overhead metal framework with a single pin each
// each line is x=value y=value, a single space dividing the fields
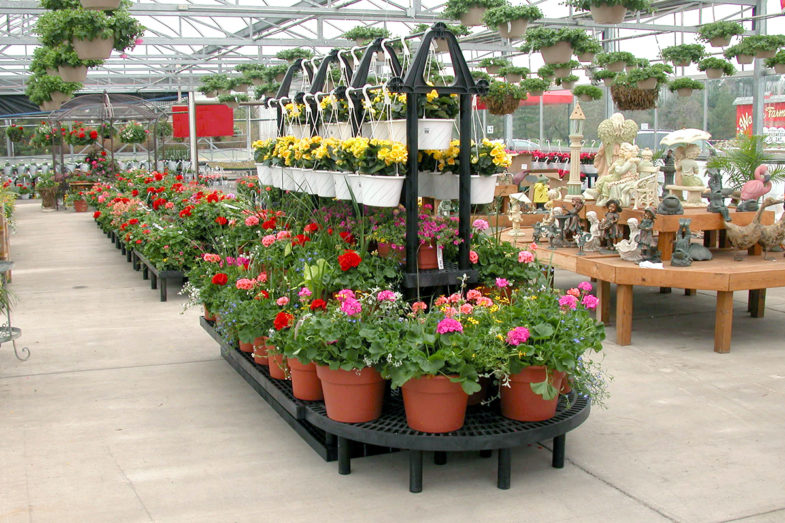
x=186 y=41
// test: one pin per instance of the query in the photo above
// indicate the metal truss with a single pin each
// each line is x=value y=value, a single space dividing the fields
x=185 y=41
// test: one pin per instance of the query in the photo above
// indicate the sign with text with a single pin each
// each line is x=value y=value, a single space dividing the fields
x=773 y=120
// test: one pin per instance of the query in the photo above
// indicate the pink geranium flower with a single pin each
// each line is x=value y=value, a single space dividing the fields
x=385 y=295
x=502 y=283
x=473 y=257
x=268 y=240
x=244 y=284
x=574 y=292
x=449 y=325
x=590 y=302
x=568 y=301
x=282 y=301
x=251 y=221
x=351 y=307
x=480 y=224
x=585 y=286
x=525 y=257
x=473 y=295
x=517 y=336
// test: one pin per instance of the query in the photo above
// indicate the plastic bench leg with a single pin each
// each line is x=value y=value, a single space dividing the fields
x=503 y=473
x=344 y=457
x=145 y=271
x=558 y=451
x=162 y=285
x=153 y=281
x=439 y=458
x=486 y=453
x=415 y=471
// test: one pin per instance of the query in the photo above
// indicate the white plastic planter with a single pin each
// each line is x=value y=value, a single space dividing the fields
x=98 y=49
x=341 y=130
x=432 y=133
x=379 y=191
x=264 y=173
x=341 y=186
x=322 y=183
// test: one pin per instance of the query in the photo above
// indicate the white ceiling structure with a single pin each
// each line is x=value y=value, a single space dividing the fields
x=188 y=40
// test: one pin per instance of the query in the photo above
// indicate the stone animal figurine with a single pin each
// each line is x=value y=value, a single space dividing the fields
x=717 y=195
x=670 y=205
x=772 y=236
x=742 y=237
x=681 y=246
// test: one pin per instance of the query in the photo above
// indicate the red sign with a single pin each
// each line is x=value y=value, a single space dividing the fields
x=773 y=116
x=211 y=120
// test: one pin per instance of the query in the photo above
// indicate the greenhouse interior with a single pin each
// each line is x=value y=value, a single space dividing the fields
x=390 y=252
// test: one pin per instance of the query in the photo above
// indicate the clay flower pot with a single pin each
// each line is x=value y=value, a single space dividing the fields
x=427 y=257
x=352 y=396
x=473 y=16
x=616 y=67
x=608 y=14
x=684 y=92
x=260 y=348
x=649 y=83
x=209 y=316
x=434 y=404
x=557 y=54
x=513 y=29
x=277 y=366
x=246 y=347
x=720 y=41
x=714 y=74
x=305 y=383
x=519 y=402
x=744 y=59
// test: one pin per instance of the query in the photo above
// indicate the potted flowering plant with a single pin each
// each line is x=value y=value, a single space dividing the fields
x=742 y=52
x=683 y=55
x=435 y=124
x=586 y=48
x=15 y=133
x=49 y=92
x=502 y=266
x=79 y=135
x=363 y=35
x=133 y=132
x=503 y=97
x=70 y=67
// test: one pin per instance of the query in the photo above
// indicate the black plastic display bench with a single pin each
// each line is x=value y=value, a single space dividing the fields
x=484 y=429
x=150 y=271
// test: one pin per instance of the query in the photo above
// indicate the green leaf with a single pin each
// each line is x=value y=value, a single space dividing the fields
x=544 y=389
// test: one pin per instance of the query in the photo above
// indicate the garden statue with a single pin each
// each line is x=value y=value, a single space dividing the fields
x=540 y=196
x=613 y=132
x=572 y=227
x=668 y=170
x=592 y=244
x=550 y=226
x=646 y=241
x=688 y=167
x=610 y=226
x=754 y=189
x=670 y=205
x=717 y=194
x=628 y=249
x=647 y=188
x=537 y=232
x=681 y=246
x=742 y=237
x=772 y=236
x=516 y=217
x=621 y=178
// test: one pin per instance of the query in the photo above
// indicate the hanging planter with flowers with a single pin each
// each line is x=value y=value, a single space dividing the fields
x=15 y=133
x=133 y=132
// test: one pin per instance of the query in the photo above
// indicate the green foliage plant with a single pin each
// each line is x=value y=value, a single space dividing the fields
x=454 y=9
x=717 y=63
x=683 y=55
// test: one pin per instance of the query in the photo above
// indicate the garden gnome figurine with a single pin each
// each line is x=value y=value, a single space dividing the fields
x=610 y=227
x=515 y=216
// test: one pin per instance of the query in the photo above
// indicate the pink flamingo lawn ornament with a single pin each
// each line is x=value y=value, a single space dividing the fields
x=754 y=189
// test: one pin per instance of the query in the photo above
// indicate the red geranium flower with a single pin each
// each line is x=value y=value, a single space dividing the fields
x=349 y=259
x=220 y=279
x=269 y=224
x=134 y=193
x=300 y=239
x=221 y=220
x=96 y=214
x=318 y=304
x=283 y=320
x=93 y=134
x=347 y=237
x=311 y=227
x=133 y=221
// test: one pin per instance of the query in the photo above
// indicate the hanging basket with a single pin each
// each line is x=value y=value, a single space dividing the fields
x=720 y=41
x=513 y=29
x=98 y=49
x=341 y=185
x=340 y=130
x=265 y=174
x=425 y=182
x=513 y=78
x=745 y=59
x=432 y=133
x=714 y=74
x=766 y=54
x=381 y=191
x=473 y=16
x=483 y=189
x=506 y=105
x=72 y=74
x=586 y=57
x=101 y=5
x=649 y=83
x=440 y=45
x=322 y=183
x=684 y=92
x=608 y=14
x=615 y=67
x=557 y=54
x=632 y=99
x=298 y=130
x=779 y=68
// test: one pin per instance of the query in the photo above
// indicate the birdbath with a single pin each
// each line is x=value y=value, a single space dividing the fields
x=560 y=241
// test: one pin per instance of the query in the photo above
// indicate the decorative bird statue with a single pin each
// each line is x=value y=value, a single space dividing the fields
x=772 y=236
x=742 y=237
x=759 y=186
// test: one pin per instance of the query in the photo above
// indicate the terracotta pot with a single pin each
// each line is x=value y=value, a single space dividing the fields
x=615 y=67
x=720 y=41
x=385 y=251
x=434 y=404
x=277 y=366
x=473 y=16
x=305 y=384
x=246 y=347
x=684 y=92
x=608 y=14
x=427 y=258
x=208 y=315
x=352 y=396
x=80 y=205
x=557 y=54
x=714 y=74
x=566 y=383
x=480 y=396
x=519 y=402
x=260 y=348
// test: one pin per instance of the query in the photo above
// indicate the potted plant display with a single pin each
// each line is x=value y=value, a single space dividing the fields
x=605 y=76
x=683 y=55
x=555 y=45
x=514 y=74
x=777 y=62
x=49 y=92
x=764 y=46
x=15 y=133
x=503 y=97
x=511 y=21
x=568 y=82
x=609 y=11
x=685 y=86
x=587 y=93
x=742 y=52
x=649 y=77
x=719 y=34
x=493 y=65
x=133 y=132
x=363 y=34
x=290 y=55
x=535 y=86
x=586 y=48
x=716 y=67
x=615 y=61
x=565 y=69
x=70 y=67
x=469 y=12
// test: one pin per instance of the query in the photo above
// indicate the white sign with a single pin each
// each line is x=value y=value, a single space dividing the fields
x=490 y=129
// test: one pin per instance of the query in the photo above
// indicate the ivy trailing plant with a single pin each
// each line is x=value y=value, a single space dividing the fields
x=721 y=30
x=685 y=83
x=64 y=54
x=364 y=35
x=587 y=91
x=40 y=88
x=605 y=59
x=44 y=58
x=764 y=43
x=740 y=49
x=454 y=9
x=290 y=55
x=683 y=55
x=546 y=72
x=777 y=59
x=571 y=79
x=274 y=71
x=503 y=97
x=603 y=74
x=717 y=63
x=496 y=16
x=55 y=27
x=586 y=45
x=658 y=71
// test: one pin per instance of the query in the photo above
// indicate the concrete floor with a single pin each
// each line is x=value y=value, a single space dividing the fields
x=126 y=412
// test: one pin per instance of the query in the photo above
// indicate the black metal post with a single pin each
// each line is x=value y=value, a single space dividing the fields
x=415 y=471
x=558 y=451
x=344 y=457
x=439 y=457
x=503 y=473
x=412 y=242
x=465 y=188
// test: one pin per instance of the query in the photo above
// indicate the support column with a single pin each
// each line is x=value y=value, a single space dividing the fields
x=604 y=306
x=723 y=321
x=759 y=72
x=623 y=314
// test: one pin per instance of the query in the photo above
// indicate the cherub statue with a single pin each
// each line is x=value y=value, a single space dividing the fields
x=572 y=227
x=593 y=243
x=688 y=167
x=613 y=132
x=516 y=218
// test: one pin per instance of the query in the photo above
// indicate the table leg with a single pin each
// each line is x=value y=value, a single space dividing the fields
x=162 y=285
x=722 y=240
x=690 y=292
x=665 y=290
x=604 y=306
x=709 y=239
x=503 y=472
x=756 y=302
x=665 y=244
x=558 y=451
x=755 y=250
x=723 y=321
x=153 y=280
x=145 y=271
x=439 y=457
x=415 y=471
x=623 y=314
x=344 y=456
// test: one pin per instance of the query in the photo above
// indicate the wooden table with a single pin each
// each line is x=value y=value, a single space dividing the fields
x=666 y=225
x=722 y=274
